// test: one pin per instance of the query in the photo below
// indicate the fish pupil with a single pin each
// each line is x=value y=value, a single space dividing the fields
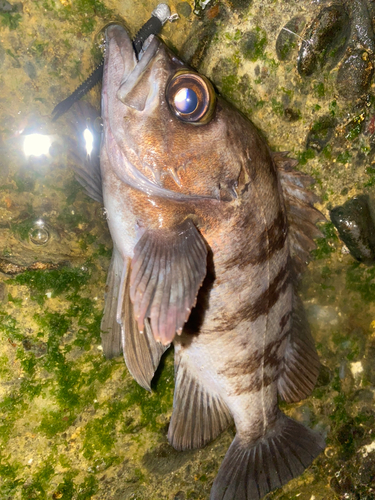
x=186 y=101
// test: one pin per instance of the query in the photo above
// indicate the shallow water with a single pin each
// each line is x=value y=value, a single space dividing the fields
x=75 y=426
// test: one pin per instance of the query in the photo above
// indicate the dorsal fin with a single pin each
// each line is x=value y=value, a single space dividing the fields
x=301 y=213
x=300 y=367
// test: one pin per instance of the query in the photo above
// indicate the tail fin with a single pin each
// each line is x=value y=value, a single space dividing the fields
x=251 y=470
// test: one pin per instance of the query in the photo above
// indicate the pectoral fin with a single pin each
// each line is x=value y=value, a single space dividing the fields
x=168 y=268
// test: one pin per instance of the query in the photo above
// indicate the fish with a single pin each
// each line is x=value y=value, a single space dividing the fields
x=210 y=230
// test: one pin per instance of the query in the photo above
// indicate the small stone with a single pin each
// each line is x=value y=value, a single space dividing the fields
x=183 y=9
x=288 y=38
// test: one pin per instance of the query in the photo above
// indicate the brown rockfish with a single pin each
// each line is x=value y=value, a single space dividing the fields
x=208 y=227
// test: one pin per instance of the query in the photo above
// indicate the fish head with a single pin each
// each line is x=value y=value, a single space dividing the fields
x=166 y=132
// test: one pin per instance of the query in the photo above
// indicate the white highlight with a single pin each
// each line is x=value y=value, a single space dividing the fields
x=368 y=448
x=89 y=141
x=36 y=145
x=356 y=368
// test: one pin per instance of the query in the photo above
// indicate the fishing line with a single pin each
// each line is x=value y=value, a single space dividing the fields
x=159 y=16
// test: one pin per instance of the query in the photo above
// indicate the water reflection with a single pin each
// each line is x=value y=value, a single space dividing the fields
x=36 y=144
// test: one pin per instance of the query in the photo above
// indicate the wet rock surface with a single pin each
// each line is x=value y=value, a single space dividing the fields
x=356 y=227
x=328 y=31
x=340 y=32
x=76 y=426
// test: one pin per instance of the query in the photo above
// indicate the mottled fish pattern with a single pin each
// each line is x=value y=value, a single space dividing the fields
x=210 y=230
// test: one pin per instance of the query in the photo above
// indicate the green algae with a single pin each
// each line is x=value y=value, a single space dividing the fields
x=10 y=20
x=277 y=107
x=328 y=244
x=319 y=90
x=82 y=13
x=9 y=472
x=304 y=156
x=38 y=487
x=361 y=279
x=370 y=171
x=253 y=44
x=56 y=282
x=23 y=228
x=344 y=157
x=9 y=327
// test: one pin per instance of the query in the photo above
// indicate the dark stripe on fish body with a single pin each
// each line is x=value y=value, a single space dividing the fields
x=262 y=305
x=256 y=383
x=284 y=319
x=266 y=300
x=268 y=243
x=270 y=355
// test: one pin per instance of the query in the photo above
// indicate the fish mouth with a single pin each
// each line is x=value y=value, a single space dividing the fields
x=121 y=51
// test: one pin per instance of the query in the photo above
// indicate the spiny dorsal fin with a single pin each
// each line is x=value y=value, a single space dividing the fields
x=168 y=268
x=301 y=214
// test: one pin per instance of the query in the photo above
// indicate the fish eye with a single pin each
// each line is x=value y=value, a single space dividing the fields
x=186 y=101
x=191 y=97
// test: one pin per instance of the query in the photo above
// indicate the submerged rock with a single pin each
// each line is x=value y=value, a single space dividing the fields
x=355 y=74
x=320 y=133
x=253 y=44
x=288 y=38
x=327 y=35
x=183 y=9
x=5 y=6
x=356 y=227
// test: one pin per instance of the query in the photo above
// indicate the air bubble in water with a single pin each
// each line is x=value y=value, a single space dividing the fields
x=39 y=234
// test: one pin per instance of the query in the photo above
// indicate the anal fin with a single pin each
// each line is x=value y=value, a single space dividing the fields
x=300 y=366
x=142 y=352
x=110 y=329
x=250 y=470
x=199 y=416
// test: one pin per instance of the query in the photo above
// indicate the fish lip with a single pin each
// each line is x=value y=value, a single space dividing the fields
x=132 y=66
x=119 y=47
